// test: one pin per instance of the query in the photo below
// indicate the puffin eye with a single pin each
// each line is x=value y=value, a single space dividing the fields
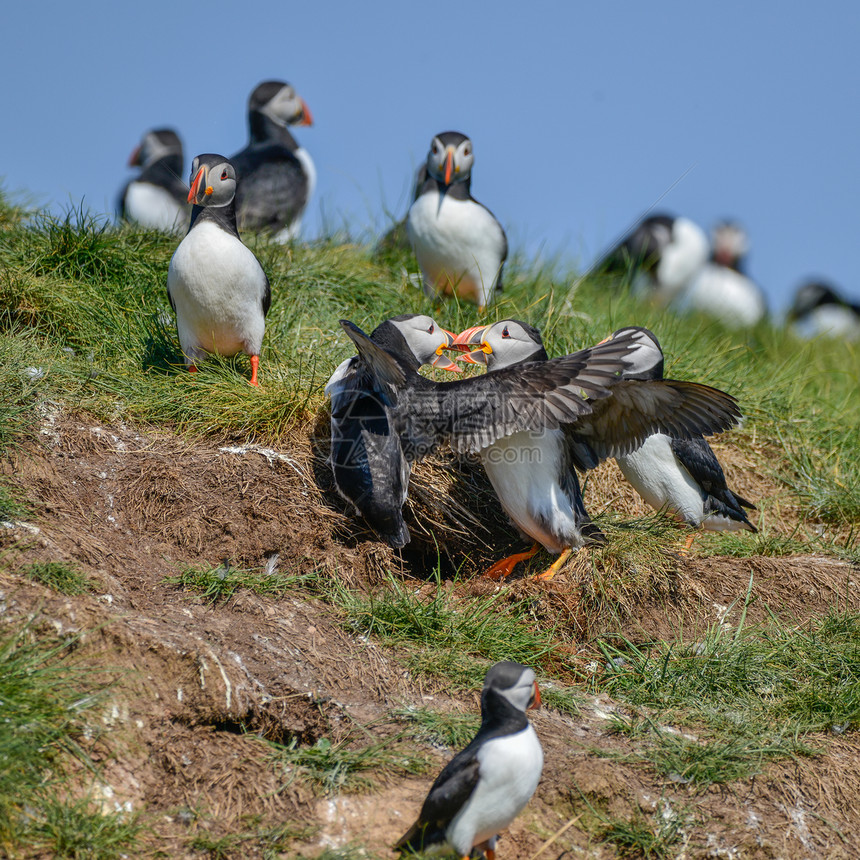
x=435 y=149
x=431 y=329
x=506 y=333
x=467 y=150
x=224 y=176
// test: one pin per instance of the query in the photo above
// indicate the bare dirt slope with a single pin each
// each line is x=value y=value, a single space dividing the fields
x=196 y=686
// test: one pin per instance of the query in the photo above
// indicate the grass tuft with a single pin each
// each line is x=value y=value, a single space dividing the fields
x=65 y=578
x=451 y=730
x=220 y=583
x=80 y=831
x=446 y=632
x=342 y=766
x=45 y=696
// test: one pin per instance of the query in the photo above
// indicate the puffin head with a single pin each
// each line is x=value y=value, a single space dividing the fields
x=279 y=101
x=730 y=243
x=213 y=181
x=154 y=146
x=645 y=359
x=422 y=335
x=811 y=295
x=501 y=344
x=450 y=157
x=514 y=682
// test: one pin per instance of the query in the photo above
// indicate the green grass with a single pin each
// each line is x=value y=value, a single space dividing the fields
x=78 y=830
x=347 y=765
x=272 y=842
x=642 y=835
x=220 y=583
x=65 y=578
x=46 y=696
x=75 y=282
x=446 y=633
x=746 y=696
x=448 y=729
x=12 y=507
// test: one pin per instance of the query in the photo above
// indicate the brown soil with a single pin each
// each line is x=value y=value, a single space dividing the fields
x=196 y=687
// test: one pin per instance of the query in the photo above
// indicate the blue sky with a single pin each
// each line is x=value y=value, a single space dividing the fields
x=582 y=115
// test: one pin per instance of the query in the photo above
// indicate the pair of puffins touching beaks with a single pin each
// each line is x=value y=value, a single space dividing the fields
x=475 y=344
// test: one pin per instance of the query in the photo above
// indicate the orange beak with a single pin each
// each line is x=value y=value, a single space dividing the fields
x=307 y=117
x=134 y=158
x=470 y=337
x=443 y=362
x=449 y=166
x=195 y=194
x=536 y=703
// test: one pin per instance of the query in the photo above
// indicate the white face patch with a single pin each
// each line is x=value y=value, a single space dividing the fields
x=424 y=336
x=462 y=161
x=222 y=179
x=152 y=149
x=520 y=695
x=285 y=108
x=510 y=344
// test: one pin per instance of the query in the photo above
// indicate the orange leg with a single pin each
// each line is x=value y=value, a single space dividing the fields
x=689 y=543
x=554 y=568
x=255 y=363
x=192 y=368
x=505 y=567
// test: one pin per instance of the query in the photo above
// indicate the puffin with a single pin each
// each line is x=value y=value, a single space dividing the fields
x=585 y=390
x=369 y=468
x=721 y=289
x=819 y=310
x=485 y=786
x=534 y=473
x=276 y=176
x=681 y=476
x=215 y=284
x=157 y=197
x=663 y=253
x=460 y=246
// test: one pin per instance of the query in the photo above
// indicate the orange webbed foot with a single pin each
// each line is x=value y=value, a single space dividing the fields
x=555 y=567
x=505 y=567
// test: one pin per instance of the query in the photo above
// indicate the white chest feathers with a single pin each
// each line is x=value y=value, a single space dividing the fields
x=510 y=769
x=655 y=473
x=459 y=245
x=217 y=286
x=288 y=233
x=829 y=321
x=525 y=471
x=726 y=295
x=155 y=207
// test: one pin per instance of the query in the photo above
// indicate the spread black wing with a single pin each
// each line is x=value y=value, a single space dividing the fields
x=684 y=410
x=473 y=413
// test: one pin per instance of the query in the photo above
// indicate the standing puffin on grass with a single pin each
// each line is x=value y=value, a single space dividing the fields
x=460 y=246
x=215 y=284
x=368 y=464
x=157 y=196
x=819 y=311
x=721 y=289
x=533 y=473
x=484 y=787
x=682 y=476
x=276 y=176
x=663 y=254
